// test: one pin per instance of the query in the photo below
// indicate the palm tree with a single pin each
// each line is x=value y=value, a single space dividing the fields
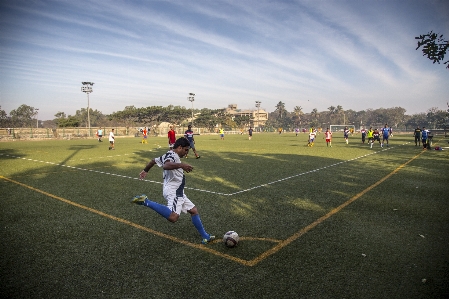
x=280 y=109
x=297 y=117
x=339 y=110
x=315 y=116
x=298 y=110
x=331 y=113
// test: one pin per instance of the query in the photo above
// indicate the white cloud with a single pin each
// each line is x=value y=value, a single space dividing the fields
x=312 y=54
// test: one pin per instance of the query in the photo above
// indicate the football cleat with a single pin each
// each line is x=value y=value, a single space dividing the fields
x=206 y=241
x=139 y=199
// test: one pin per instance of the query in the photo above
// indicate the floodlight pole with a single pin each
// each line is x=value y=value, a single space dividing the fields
x=87 y=88
x=37 y=117
x=191 y=98
x=258 y=107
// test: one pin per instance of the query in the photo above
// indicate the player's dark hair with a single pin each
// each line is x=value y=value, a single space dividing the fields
x=181 y=142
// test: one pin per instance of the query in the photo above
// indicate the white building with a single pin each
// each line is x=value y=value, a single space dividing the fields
x=259 y=116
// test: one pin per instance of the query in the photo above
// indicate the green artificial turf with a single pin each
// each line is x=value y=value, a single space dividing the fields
x=344 y=221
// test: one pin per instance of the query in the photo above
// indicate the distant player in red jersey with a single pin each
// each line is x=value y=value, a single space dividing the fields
x=328 y=136
x=171 y=137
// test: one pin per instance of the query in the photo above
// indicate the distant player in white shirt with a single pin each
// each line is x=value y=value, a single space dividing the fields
x=312 y=136
x=173 y=190
x=111 y=140
x=346 y=134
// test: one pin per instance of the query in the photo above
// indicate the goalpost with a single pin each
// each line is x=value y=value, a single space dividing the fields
x=340 y=128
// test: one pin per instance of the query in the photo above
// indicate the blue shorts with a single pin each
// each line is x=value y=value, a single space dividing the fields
x=192 y=144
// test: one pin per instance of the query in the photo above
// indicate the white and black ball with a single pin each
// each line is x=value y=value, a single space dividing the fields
x=231 y=239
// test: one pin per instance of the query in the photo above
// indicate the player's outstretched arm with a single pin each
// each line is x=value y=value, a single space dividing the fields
x=147 y=168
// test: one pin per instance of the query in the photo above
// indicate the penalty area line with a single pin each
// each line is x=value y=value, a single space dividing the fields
x=210 y=191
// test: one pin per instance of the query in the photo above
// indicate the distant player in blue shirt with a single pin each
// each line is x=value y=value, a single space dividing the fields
x=346 y=134
x=189 y=135
x=363 y=131
x=424 y=136
x=385 y=135
x=99 y=134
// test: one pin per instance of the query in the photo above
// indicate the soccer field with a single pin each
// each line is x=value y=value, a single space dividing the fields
x=344 y=221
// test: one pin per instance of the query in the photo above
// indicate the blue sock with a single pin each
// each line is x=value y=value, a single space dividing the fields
x=199 y=226
x=162 y=210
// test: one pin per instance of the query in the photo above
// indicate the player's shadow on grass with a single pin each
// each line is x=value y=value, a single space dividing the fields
x=81 y=147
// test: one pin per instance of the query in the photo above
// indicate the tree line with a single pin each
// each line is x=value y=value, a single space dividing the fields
x=336 y=115
x=25 y=116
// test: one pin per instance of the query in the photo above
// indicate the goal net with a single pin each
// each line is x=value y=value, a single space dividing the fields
x=341 y=128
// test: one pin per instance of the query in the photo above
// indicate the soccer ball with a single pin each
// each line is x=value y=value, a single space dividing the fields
x=231 y=239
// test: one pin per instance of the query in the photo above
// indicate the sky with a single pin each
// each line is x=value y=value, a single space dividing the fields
x=359 y=54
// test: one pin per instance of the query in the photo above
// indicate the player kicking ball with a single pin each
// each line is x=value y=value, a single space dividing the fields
x=173 y=189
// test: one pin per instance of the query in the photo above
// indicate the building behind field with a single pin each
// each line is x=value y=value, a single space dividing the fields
x=259 y=116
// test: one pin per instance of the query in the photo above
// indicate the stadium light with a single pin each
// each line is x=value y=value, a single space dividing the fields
x=37 y=117
x=87 y=88
x=191 y=98
x=258 y=107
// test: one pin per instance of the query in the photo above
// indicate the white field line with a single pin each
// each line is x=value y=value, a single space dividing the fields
x=208 y=191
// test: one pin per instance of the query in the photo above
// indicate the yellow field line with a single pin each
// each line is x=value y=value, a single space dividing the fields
x=124 y=221
x=279 y=246
x=323 y=218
